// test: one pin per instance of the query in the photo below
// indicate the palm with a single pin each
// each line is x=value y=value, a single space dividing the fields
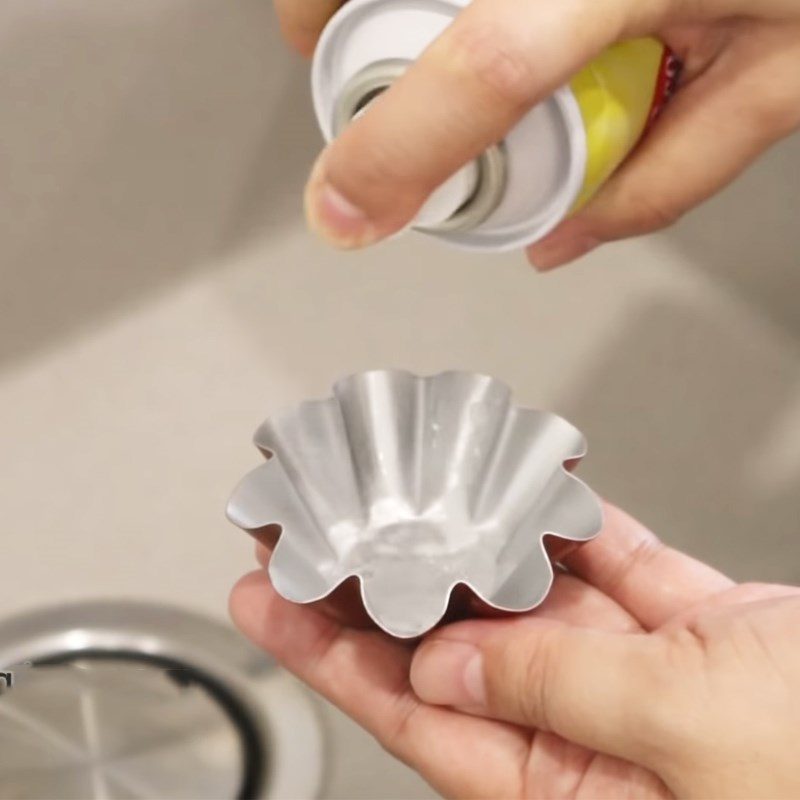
x=623 y=581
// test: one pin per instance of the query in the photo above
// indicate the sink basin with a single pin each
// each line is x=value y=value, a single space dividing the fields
x=161 y=294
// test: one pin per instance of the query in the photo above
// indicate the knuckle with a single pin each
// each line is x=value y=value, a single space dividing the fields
x=538 y=677
x=648 y=550
x=489 y=56
x=396 y=739
x=644 y=552
x=533 y=662
x=651 y=212
x=632 y=204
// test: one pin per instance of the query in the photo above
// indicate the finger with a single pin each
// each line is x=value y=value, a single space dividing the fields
x=732 y=601
x=366 y=675
x=689 y=10
x=651 y=581
x=302 y=22
x=571 y=601
x=591 y=687
x=712 y=130
x=575 y=602
x=497 y=59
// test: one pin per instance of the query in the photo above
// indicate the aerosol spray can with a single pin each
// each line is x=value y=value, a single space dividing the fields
x=547 y=167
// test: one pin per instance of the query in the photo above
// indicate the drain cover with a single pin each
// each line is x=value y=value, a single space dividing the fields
x=130 y=701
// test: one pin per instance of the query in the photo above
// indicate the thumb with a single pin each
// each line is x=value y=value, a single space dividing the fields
x=600 y=690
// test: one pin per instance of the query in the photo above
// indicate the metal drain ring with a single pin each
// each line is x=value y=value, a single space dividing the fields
x=155 y=686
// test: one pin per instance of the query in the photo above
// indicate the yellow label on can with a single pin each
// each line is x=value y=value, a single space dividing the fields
x=620 y=93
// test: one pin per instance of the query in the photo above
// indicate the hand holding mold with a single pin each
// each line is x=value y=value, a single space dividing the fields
x=629 y=669
x=738 y=94
x=643 y=674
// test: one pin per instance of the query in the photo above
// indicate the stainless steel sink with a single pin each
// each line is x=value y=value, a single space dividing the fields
x=135 y=700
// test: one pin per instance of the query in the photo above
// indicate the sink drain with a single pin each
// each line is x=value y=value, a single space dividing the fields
x=123 y=700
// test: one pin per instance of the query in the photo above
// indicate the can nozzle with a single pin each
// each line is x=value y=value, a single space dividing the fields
x=467 y=197
x=451 y=196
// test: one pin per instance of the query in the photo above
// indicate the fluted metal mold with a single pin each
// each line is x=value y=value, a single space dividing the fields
x=415 y=485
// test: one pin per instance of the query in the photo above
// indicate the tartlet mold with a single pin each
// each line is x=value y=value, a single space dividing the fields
x=416 y=485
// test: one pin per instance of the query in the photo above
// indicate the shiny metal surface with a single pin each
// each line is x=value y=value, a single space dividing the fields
x=116 y=728
x=124 y=700
x=491 y=165
x=363 y=87
x=416 y=485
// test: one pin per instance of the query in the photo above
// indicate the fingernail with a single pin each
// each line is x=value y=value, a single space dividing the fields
x=334 y=217
x=449 y=674
x=560 y=247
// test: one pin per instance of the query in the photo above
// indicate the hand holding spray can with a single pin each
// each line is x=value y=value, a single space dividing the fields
x=548 y=166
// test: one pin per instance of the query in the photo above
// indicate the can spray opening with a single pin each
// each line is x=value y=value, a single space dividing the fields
x=467 y=197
